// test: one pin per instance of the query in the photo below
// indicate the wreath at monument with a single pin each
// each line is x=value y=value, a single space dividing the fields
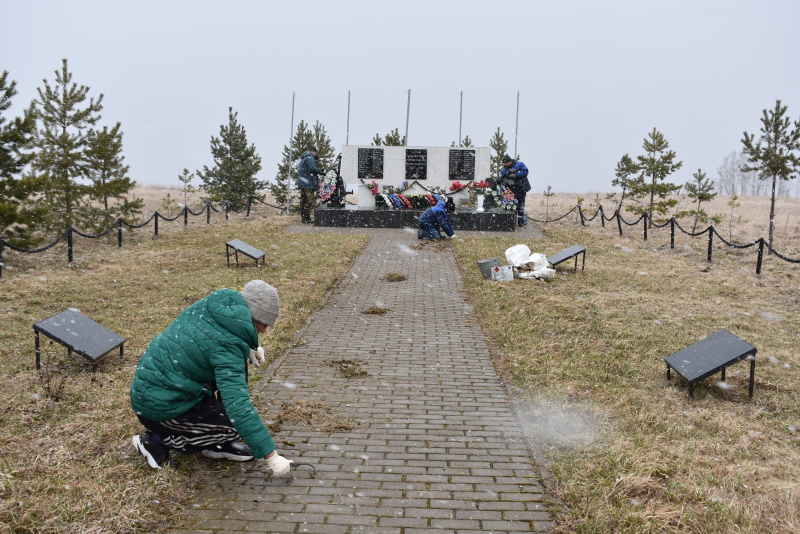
x=407 y=202
x=327 y=186
x=504 y=197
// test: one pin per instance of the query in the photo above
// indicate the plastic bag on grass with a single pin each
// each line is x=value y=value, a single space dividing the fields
x=518 y=255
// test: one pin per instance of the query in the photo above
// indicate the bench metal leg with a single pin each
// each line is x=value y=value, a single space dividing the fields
x=752 y=373
x=38 y=350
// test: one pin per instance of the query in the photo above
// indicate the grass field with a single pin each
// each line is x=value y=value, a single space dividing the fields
x=628 y=451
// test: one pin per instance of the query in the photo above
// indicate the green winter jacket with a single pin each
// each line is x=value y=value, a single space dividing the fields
x=206 y=345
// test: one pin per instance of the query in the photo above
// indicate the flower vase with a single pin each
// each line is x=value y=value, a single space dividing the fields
x=480 y=201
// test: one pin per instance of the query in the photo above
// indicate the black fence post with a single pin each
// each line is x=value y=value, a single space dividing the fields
x=672 y=233
x=208 y=213
x=155 y=226
x=580 y=212
x=226 y=210
x=760 y=254
x=710 y=241
x=644 y=222
x=619 y=221
x=185 y=216
x=602 y=217
x=69 y=245
x=1 y=259
x=249 y=201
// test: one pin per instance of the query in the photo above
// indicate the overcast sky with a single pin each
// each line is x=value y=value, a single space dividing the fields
x=593 y=78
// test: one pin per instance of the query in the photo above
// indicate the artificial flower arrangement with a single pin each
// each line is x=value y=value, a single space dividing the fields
x=407 y=202
x=482 y=187
x=504 y=197
x=373 y=187
x=327 y=186
x=457 y=186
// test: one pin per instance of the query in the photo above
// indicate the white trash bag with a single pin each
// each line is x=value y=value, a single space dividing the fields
x=529 y=265
x=518 y=255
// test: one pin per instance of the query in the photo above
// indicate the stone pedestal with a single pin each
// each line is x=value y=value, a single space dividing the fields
x=493 y=220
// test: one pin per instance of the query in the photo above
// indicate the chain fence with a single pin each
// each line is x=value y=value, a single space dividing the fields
x=647 y=222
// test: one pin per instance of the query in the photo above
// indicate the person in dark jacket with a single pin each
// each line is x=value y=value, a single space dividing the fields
x=190 y=387
x=308 y=183
x=514 y=175
x=433 y=220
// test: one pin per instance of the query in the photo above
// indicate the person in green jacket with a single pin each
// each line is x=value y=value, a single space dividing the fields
x=190 y=388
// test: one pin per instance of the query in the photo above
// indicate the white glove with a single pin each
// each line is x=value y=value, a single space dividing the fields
x=279 y=465
x=257 y=356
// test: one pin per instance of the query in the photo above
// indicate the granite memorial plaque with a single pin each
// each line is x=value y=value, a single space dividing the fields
x=370 y=163
x=462 y=165
x=416 y=164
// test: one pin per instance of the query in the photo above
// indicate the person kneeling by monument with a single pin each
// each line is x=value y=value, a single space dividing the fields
x=435 y=219
x=190 y=388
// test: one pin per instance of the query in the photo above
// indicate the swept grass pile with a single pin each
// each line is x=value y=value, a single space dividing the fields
x=628 y=450
x=66 y=461
x=314 y=414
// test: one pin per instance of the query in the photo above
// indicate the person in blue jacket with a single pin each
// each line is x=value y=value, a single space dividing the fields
x=435 y=219
x=308 y=183
x=514 y=175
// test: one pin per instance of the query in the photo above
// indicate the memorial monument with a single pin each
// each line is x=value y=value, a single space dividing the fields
x=394 y=184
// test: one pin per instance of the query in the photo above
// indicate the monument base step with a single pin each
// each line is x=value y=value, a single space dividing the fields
x=465 y=219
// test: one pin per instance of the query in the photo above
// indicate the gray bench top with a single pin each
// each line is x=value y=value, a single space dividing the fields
x=565 y=254
x=245 y=249
x=79 y=334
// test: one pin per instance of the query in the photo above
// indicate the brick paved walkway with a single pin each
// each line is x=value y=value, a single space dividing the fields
x=437 y=447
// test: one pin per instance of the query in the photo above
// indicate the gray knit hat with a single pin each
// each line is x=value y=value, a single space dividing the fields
x=263 y=301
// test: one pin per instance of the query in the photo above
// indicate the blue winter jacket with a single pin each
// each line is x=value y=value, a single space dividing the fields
x=307 y=171
x=521 y=183
x=204 y=348
x=437 y=216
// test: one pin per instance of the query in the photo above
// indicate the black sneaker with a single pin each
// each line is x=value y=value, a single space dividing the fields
x=233 y=450
x=156 y=455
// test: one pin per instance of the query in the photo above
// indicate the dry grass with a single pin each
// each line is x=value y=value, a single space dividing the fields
x=67 y=465
x=628 y=450
x=394 y=277
x=349 y=368
x=314 y=414
x=376 y=310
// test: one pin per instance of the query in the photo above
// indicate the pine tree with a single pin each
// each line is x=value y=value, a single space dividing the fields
x=391 y=139
x=625 y=176
x=109 y=176
x=17 y=211
x=465 y=143
x=186 y=179
x=701 y=190
x=655 y=165
x=303 y=139
x=500 y=147
x=775 y=154
x=233 y=178
x=63 y=127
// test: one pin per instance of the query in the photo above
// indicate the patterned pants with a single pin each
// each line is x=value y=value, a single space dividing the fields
x=206 y=424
